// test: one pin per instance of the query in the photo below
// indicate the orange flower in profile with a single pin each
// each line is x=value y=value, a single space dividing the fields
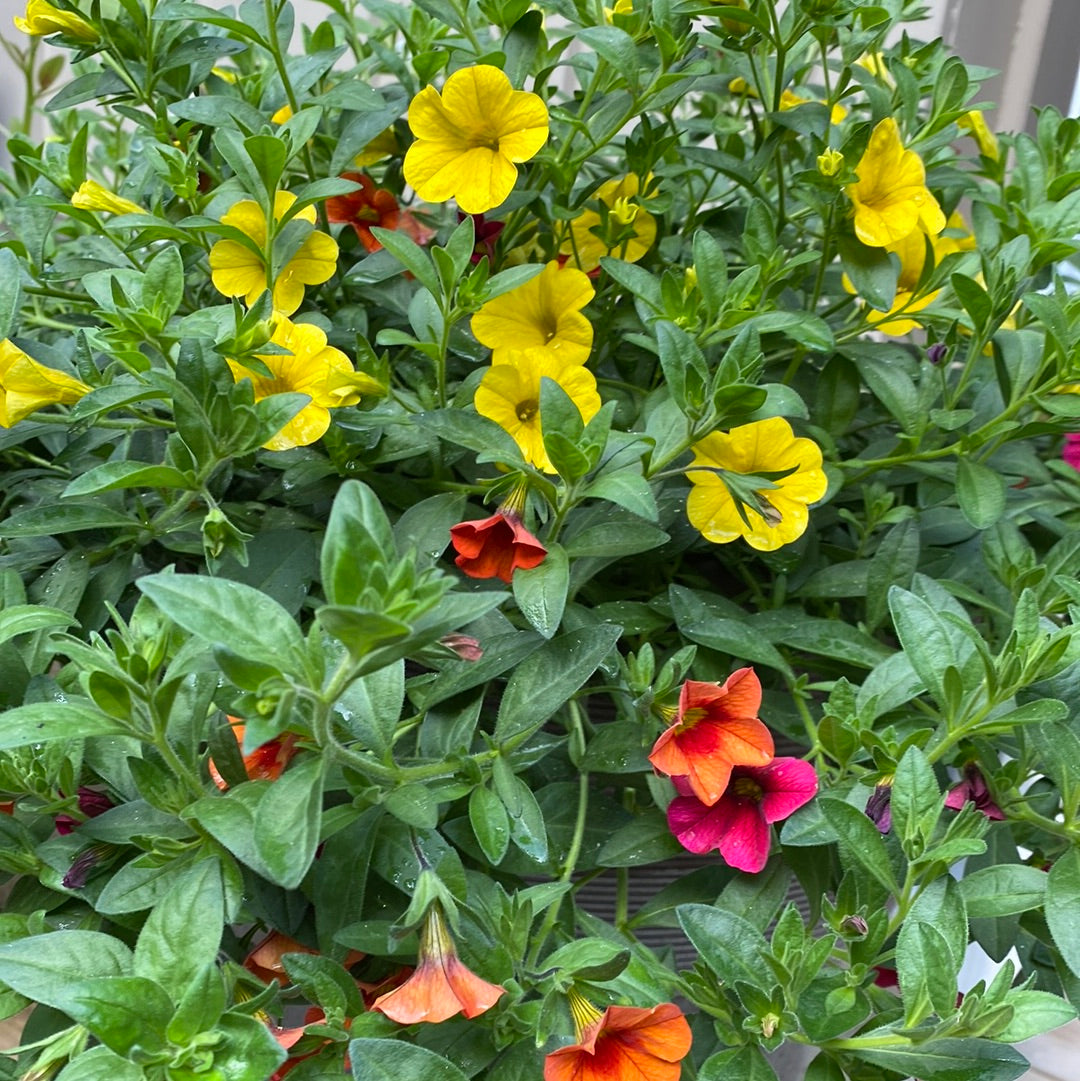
x=716 y=727
x=441 y=986
x=624 y=1043
x=265 y=960
x=373 y=206
x=265 y=763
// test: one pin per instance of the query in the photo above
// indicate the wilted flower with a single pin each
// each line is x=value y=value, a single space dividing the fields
x=715 y=728
x=26 y=386
x=470 y=138
x=43 y=18
x=441 y=986
x=738 y=823
x=370 y=206
x=625 y=229
x=973 y=789
x=497 y=546
x=92 y=196
x=464 y=646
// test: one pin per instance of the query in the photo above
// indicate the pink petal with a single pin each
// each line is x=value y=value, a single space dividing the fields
x=698 y=827
x=745 y=845
x=787 y=784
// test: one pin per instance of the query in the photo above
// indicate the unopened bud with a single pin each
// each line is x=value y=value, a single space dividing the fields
x=830 y=162
x=854 y=925
x=769 y=1024
x=466 y=647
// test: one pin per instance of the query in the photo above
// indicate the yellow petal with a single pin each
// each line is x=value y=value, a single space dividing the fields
x=247 y=216
x=308 y=426
x=484 y=179
x=236 y=271
x=476 y=98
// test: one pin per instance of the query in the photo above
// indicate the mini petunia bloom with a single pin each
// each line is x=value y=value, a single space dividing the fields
x=788 y=99
x=91 y=804
x=624 y=1043
x=1070 y=453
x=370 y=206
x=890 y=197
x=237 y=271
x=974 y=123
x=738 y=823
x=543 y=315
x=27 y=386
x=471 y=137
x=441 y=986
x=973 y=789
x=266 y=960
x=283 y=115
x=776 y=477
x=92 y=196
x=266 y=763
x=623 y=228
x=497 y=546
x=879 y=805
x=715 y=728
x=485 y=233
x=314 y=368
x=43 y=18
x=509 y=394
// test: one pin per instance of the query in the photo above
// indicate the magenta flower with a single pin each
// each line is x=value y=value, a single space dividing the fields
x=91 y=804
x=973 y=789
x=879 y=805
x=1071 y=451
x=738 y=823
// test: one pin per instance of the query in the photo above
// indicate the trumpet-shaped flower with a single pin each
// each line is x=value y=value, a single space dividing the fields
x=543 y=315
x=788 y=99
x=624 y=228
x=470 y=138
x=266 y=763
x=509 y=394
x=891 y=198
x=738 y=823
x=237 y=271
x=974 y=123
x=43 y=18
x=441 y=986
x=373 y=206
x=774 y=475
x=497 y=546
x=624 y=1043
x=974 y=789
x=92 y=196
x=313 y=368
x=26 y=386
x=715 y=728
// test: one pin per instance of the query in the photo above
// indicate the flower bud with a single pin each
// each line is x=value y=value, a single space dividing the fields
x=830 y=163
x=854 y=925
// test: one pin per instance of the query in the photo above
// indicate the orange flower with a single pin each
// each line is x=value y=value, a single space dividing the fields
x=441 y=986
x=716 y=727
x=373 y=206
x=265 y=961
x=624 y=1043
x=265 y=763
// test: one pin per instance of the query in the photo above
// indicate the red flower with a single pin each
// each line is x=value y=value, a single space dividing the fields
x=91 y=804
x=266 y=763
x=373 y=206
x=973 y=789
x=1071 y=451
x=716 y=727
x=441 y=986
x=738 y=823
x=496 y=546
x=485 y=233
x=265 y=960
x=624 y=1043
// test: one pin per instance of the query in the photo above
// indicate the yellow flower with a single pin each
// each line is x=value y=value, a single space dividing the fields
x=92 y=196
x=469 y=139
x=314 y=368
x=830 y=162
x=26 y=386
x=622 y=7
x=627 y=233
x=975 y=123
x=891 y=198
x=283 y=115
x=382 y=146
x=43 y=18
x=543 y=314
x=238 y=272
x=227 y=75
x=875 y=64
x=509 y=394
x=778 y=512
x=790 y=100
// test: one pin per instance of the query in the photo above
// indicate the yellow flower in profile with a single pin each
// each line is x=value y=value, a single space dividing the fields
x=470 y=138
x=625 y=229
x=544 y=313
x=974 y=123
x=314 y=368
x=283 y=115
x=384 y=145
x=509 y=394
x=92 y=196
x=237 y=271
x=790 y=100
x=26 y=386
x=622 y=7
x=875 y=64
x=891 y=198
x=775 y=474
x=43 y=18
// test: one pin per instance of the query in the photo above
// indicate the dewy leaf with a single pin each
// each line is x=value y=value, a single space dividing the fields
x=731 y=947
x=541 y=592
x=42 y=722
x=42 y=967
x=948 y=1060
x=1062 y=907
x=393 y=1060
x=358 y=537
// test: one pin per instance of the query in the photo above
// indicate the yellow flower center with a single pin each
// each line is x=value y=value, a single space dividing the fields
x=691 y=718
x=527 y=409
x=747 y=788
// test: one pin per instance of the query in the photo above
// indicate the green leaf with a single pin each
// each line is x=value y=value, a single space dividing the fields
x=66 y=518
x=980 y=492
x=248 y=1052
x=926 y=639
x=860 y=842
x=43 y=967
x=737 y=1064
x=733 y=948
x=590 y=959
x=1034 y=1012
x=1062 y=907
x=915 y=802
x=927 y=975
x=527 y=828
x=121 y=1011
x=947 y=1060
x=100 y=1064
x=627 y=489
x=42 y=722
x=490 y=823
x=872 y=273
x=394 y=1060
x=1003 y=890
x=23 y=618
x=10 y=291
x=541 y=591
x=112 y=475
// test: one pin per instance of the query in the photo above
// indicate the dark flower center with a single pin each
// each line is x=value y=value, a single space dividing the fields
x=747 y=788
x=527 y=409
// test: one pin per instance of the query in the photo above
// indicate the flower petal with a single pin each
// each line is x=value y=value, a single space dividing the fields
x=787 y=784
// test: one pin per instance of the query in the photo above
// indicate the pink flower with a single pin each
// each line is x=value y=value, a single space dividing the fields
x=973 y=789
x=1071 y=451
x=738 y=823
x=91 y=804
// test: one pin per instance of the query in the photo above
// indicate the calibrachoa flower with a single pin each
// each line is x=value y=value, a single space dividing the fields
x=266 y=962
x=314 y=368
x=738 y=823
x=469 y=138
x=768 y=513
x=373 y=206
x=1071 y=451
x=544 y=315
x=91 y=804
x=237 y=271
x=43 y=18
x=266 y=763
x=92 y=196
x=441 y=986
x=891 y=198
x=715 y=728
x=879 y=805
x=26 y=386
x=624 y=1043
x=626 y=230
x=973 y=789
x=974 y=123
x=788 y=99
x=509 y=394
x=497 y=546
